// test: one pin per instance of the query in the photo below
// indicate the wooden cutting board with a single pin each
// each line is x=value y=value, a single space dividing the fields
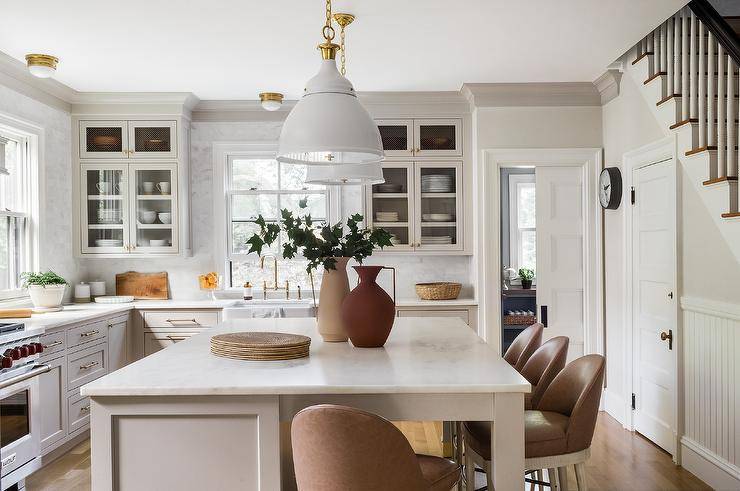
x=143 y=286
x=14 y=313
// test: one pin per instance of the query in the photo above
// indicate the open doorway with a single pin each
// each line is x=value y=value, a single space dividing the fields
x=561 y=235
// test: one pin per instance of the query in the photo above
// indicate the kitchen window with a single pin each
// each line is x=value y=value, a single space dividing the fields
x=522 y=221
x=16 y=192
x=259 y=184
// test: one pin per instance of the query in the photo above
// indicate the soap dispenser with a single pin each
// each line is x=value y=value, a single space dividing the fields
x=247 y=291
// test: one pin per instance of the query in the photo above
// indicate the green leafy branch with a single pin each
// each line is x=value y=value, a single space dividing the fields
x=42 y=279
x=319 y=244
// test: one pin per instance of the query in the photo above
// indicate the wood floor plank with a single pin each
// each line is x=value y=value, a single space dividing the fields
x=619 y=460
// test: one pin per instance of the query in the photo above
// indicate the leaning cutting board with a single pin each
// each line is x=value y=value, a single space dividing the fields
x=14 y=313
x=143 y=286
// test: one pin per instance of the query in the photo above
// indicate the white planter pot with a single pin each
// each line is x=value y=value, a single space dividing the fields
x=46 y=297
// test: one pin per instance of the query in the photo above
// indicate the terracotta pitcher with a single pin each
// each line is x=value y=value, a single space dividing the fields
x=368 y=311
x=334 y=288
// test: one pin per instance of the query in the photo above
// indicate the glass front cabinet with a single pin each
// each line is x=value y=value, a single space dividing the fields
x=421 y=137
x=129 y=208
x=128 y=140
x=421 y=204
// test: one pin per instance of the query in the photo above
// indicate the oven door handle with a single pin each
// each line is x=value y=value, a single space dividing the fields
x=37 y=370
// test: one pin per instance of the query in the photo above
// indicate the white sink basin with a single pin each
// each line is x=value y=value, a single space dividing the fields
x=248 y=309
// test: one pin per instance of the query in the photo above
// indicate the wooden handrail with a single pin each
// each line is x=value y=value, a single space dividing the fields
x=721 y=30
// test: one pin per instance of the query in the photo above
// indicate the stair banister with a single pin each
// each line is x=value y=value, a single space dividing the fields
x=721 y=112
x=723 y=33
x=685 y=67
x=731 y=119
x=702 y=107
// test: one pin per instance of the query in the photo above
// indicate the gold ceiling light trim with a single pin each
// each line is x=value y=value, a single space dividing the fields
x=36 y=59
x=343 y=19
x=271 y=96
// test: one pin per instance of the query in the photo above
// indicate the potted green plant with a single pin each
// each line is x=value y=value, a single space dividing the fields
x=46 y=289
x=526 y=275
x=326 y=246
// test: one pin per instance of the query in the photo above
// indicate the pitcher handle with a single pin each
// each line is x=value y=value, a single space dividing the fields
x=394 y=282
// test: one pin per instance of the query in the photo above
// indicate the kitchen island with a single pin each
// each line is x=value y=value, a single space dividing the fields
x=214 y=423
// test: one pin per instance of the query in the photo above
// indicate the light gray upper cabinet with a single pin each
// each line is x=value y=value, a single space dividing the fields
x=420 y=138
x=128 y=139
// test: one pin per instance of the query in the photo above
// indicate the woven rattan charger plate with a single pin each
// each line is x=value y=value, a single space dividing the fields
x=260 y=346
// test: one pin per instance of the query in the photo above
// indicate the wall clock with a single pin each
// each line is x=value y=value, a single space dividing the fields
x=610 y=188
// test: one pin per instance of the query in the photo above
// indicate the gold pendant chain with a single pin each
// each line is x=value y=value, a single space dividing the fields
x=328 y=31
x=343 y=58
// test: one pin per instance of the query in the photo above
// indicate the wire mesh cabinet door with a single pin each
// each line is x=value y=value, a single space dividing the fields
x=152 y=139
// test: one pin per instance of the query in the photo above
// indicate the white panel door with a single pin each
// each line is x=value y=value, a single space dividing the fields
x=653 y=302
x=559 y=275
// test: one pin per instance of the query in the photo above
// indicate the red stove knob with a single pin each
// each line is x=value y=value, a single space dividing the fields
x=24 y=350
x=31 y=349
x=39 y=347
x=15 y=353
x=6 y=362
x=8 y=352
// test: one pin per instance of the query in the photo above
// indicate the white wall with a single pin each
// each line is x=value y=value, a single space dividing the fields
x=183 y=272
x=710 y=271
x=55 y=189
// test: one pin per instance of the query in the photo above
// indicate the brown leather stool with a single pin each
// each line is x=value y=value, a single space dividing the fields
x=542 y=367
x=557 y=434
x=524 y=345
x=336 y=448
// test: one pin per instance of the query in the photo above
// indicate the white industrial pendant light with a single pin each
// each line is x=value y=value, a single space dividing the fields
x=347 y=174
x=329 y=126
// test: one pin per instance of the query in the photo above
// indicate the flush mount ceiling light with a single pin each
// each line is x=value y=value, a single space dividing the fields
x=329 y=126
x=271 y=101
x=41 y=66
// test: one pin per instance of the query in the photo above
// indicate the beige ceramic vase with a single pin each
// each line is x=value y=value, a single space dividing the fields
x=334 y=287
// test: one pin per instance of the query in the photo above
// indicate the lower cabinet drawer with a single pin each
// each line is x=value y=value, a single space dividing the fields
x=53 y=343
x=78 y=409
x=460 y=314
x=86 y=365
x=87 y=333
x=155 y=341
x=181 y=319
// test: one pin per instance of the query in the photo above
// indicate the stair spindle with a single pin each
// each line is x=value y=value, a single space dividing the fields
x=693 y=72
x=663 y=53
x=670 y=60
x=685 y=87
x=702 y=112
x=657 y=47
x=721 y=109
x=731 y=119
x=711 y=99
x=677 y=59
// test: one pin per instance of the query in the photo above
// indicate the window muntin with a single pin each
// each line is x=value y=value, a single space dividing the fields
x=15 y=208
x=522 y=221
x=259 y=184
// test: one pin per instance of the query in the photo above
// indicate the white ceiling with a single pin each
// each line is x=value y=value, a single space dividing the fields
x=229 y=49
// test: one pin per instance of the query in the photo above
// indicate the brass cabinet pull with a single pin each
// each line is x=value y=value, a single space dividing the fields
x=88 y=366
x=89 y=333
x=177 y=338
x=85 y=408
x=190 y=321
x=55 y=343
x=667 y=336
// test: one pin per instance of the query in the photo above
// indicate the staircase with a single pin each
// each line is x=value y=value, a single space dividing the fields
x=688 y=68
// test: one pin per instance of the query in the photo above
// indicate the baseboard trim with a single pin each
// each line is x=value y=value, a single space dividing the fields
x=709 y=467
x=615 y=406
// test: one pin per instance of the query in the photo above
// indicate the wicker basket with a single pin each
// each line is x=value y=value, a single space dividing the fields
x=519 y=320
x=438 y=291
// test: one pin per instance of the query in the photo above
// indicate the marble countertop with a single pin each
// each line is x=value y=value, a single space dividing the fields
x=75 y=313
x=432 y=355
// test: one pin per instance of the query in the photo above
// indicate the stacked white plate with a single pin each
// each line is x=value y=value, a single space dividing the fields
x=386 y=216
x=438 y=217
x=436 y=183
x=436 y=240
x=108 y=242
x=389 y=187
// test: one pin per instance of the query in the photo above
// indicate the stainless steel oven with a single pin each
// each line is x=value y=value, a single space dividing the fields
x=20 y=446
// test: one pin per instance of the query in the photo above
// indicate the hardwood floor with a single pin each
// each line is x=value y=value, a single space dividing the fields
x=619 y=460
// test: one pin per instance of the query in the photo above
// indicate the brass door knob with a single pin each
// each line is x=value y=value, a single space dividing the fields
x=667 y=336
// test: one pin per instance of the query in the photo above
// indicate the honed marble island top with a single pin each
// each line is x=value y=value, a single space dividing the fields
x=422 y=355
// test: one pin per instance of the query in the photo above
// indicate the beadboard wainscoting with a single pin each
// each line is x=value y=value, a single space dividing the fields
x=710 y=446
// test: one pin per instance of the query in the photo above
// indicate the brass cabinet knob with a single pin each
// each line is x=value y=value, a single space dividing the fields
x=667 y=336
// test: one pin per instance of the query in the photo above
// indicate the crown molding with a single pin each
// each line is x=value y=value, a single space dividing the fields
x=531 y=94
x=608 y=83
x=239 y=110
x=15 y=75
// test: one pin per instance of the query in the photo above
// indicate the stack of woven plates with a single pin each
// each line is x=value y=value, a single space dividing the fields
x=436 y=183
x=260 y=346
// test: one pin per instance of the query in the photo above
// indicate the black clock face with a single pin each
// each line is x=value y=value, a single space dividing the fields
x=610 y=188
